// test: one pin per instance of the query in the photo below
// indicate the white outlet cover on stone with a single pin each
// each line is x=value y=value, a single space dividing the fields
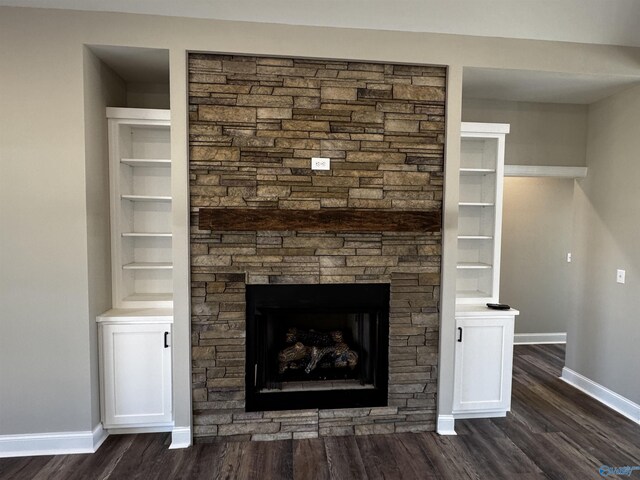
x=320 y=163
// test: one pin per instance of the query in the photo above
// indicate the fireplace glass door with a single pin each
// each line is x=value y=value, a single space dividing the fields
x=317 y=346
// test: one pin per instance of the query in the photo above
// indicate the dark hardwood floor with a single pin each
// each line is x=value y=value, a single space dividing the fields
x=553 y=432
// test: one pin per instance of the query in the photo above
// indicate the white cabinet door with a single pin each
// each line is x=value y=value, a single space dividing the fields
x=483 y=366
x=136 y=364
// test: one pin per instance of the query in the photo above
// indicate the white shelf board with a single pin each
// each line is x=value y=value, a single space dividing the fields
x=544 y=171
x=152 y=114
x=476 y=204
x=475 y=237
x=148 y=266
x=473 y=266
x=147 y=234
x=477 y=171
x=146 y=162
x=147 y=198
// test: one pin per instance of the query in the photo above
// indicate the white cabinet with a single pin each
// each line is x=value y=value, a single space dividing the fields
x=140 y=186
x=484 y=337
x=480 y=212
x=483 y=362
x=135 y=337
x=135 y=367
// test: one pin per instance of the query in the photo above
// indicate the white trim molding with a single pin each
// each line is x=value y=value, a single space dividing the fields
x=611 y=399
x=180 y=438
x=544 y=171
x=535 y=338
x=446 y=425
x=56 y=443
x=99 y=436
x=482 y=127
x=128 y=430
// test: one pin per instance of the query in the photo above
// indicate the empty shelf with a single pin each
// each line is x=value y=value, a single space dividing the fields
x=146 y=234
x=477 y=171
x=147 y=198
x=473 y=266
x=146 y=162
x=148 y=266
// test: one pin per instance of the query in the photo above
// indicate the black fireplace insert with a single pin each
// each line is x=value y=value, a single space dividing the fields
x=317 y=346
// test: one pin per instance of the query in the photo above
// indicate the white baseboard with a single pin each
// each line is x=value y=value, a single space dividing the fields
x=99 y=436
x=536 y=338
x=57 y=443
x=180 y=437
x=611 y=399
x=446 y=425
x=484 y=414
x=126 y=430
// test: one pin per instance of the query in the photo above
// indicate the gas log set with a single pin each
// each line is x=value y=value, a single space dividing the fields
x=311 y=350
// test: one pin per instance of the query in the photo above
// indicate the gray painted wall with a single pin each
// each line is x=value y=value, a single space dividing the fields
x=541 y=133
x=102 y=88
x=604 y=329
x=536 y=236
x=538 y=212
x=148 y=95
x=44 y=332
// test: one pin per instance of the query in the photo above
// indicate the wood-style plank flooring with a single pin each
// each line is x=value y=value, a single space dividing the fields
x=553 y=432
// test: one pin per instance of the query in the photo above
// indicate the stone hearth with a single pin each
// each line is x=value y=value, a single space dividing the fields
x=255 y=123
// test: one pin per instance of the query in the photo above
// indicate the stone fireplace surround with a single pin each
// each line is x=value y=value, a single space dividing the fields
x=255 y=123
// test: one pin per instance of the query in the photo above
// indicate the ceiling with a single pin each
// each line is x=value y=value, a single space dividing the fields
x=587 y=21
x=148 y=65
x=135 y=65
x=611 y=22
x=544 y=87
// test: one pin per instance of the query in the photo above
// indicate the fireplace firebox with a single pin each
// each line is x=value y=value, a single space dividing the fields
x=317 y=346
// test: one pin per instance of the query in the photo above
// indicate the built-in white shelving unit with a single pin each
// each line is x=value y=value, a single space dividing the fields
x=484 y=337
x=480 y=212
x=140 y=178
x=135 y=335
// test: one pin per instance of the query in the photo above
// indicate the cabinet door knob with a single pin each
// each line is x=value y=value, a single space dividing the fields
x=166 y=336
x=459 y=334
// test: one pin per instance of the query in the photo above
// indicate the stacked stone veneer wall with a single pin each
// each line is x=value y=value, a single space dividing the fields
x=255 y=123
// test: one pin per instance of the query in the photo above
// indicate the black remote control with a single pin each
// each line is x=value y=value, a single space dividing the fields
x=498 y=306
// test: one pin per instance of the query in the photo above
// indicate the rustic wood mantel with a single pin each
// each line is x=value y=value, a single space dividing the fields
x=333 y=220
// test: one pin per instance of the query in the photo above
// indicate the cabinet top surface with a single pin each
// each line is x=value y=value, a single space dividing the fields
x=136 y=315
x=483 y=311
x=138 y=113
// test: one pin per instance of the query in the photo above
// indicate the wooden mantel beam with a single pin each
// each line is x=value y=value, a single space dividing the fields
x=327 y=220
